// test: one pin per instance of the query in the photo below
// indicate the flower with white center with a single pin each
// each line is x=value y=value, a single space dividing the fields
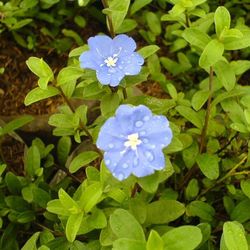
x=112 y=59
x=133 y=140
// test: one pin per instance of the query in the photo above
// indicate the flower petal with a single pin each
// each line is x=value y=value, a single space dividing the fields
x=131 y=65
x=108 y=139
x=101 y=45
x=119 y=163
x=116 y=78
x=88 y=60
x=123 y=45
x=103 y=76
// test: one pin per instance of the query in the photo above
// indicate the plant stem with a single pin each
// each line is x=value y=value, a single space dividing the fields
x=204 y=130
x=110 y=24
x=124 y=92
x=229 y=174
x=187 y=20
x=193 y=170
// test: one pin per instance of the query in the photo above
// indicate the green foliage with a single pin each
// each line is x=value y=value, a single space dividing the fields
x=64 y=197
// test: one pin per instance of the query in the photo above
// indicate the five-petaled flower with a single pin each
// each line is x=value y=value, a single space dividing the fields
x=112 y=59
x=133 y=140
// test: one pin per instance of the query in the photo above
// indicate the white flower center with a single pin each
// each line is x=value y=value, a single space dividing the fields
x=111 y=61
x=133 y=141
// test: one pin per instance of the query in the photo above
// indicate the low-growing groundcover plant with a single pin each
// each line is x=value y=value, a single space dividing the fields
x=132 y=171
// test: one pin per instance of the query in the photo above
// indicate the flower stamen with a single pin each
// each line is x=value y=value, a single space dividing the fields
x=133 y=141
x=111 y=61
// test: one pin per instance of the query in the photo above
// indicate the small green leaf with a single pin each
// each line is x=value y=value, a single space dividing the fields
x=40 y=68
x=117 y=10
x=124 y=225
x=38 y=94
x=127 y=25
x=209 y=165
x=68 y=202
x=73 y=224
x=16 y=123
x=240 y=212
x=222 y=20
x=32 y=161
x=91 y=196
x=82 y=160
x=190 y=115
x=63 y=149
x=31 y=243
x=196 y=37
x=68 y=75
x=225 y=74
x=164 y=211
x=138 y=4
x=234 y=236
x=128 y=244
x=109 y=104
x=211 y=54
x=78 y=51
x=201 y=209
x=148 y=50
x=245 y=187
x=182 y=238
x=153 y=22
x=154 y=241
x=199 y=99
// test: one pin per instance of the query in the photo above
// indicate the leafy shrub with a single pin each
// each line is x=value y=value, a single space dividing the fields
x=70 y=198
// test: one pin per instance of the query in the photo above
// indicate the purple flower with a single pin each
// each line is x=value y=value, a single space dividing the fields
x=133 y=141
x=112 y=59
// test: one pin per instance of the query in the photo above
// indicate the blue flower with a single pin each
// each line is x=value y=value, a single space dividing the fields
x=112 y=59
x=133 y=140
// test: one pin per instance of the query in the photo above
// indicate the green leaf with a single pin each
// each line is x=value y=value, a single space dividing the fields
x=109 y=104
x=73 y=224
x=74 y=35
x=38 y=94
x=245 y=187
x=211 y=54
x=13 y=183
x=209 y=165
x=154 y=241
x=148 y=50
x=240 y=212
x=190 y=115
x=40 y=68
x=78 y=51
x=233 y=43
x=199 y=99
x=91 y=196
x=32 y=161
x=124 y=225
x=153 y=22
x=164 y=211
x=234 y=236
x=192 y=189
x=196 y=37
x=138 y=4
x=56 y=207
x=127 y=25
x=182 y=238
x=68 y=75
x=16 y=123
x=21 y=24
x=239 y=67
x=234 y=33
x=201 y=209
x=63 y=149
x=82 y=160
x=68 y=202
x=225 y=74
x=117 y=10
x=128 y=244
x=222 y=20
x=31 y=243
